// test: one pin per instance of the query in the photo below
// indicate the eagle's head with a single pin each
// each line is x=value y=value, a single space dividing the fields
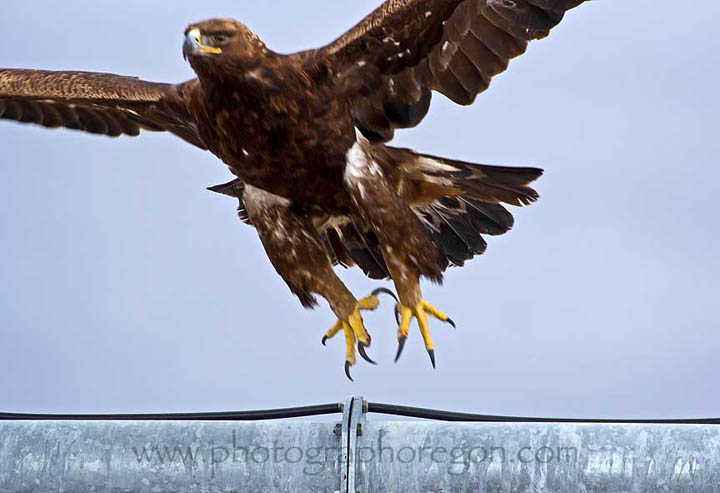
x=216 y=41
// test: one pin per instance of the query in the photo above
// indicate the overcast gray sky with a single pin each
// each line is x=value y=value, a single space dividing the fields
x=126 y=286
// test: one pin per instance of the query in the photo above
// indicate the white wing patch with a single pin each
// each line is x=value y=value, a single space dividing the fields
x=432 y=170
x=356 y=163
x=359 y=165
x=426 y=164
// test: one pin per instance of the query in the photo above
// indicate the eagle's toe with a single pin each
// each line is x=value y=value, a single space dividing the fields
x=355 y=331
x=421 y=311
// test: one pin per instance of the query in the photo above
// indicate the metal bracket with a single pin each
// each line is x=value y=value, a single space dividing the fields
x=354 y=409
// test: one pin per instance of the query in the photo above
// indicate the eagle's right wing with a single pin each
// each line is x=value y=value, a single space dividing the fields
x=98 y=103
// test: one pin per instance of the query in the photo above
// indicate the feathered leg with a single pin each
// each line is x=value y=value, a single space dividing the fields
x=407 y=248
x=302 y=260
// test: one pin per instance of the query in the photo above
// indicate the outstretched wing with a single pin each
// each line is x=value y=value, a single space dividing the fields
x=391 y=61
x=98 y=103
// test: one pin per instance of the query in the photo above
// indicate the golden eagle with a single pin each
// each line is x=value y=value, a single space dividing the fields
x=304 y=134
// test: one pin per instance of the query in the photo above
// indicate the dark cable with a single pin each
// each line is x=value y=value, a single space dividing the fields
x=289 y=412
x=373 y=407
x=418 y=412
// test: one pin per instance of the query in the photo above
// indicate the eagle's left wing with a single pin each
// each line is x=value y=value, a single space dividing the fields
x=391 y=61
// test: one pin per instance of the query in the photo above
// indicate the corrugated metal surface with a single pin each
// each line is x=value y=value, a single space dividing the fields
x=454 y=457
x=154 y=457
x=361 y=454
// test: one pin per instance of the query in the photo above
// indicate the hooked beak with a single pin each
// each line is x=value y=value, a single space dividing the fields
x=194 y=44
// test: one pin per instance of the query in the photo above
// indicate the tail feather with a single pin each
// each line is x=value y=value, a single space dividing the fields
x=468 y=200
x=457 y=231
x=364 y=249
x=486 y=218
x=480 y=181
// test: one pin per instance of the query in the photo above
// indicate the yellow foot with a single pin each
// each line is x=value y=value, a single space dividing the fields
x=421 y=312
x=355 y=330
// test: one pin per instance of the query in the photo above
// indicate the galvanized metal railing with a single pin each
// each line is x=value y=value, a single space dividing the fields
x=263 y=451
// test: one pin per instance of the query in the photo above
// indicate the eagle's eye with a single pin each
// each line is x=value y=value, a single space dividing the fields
x=220 y=37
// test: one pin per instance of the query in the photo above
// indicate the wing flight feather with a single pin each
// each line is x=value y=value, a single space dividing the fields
x=98 y=103
x=394 y=58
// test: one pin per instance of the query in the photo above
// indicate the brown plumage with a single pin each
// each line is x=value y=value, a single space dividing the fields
x=304 y=134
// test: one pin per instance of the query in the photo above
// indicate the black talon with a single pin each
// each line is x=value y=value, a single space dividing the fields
x=384 y=290
x=450 y=321
x=361 y=349
x=397 y=314
x=324 y=339
x=431 y=352
x=347 y=370
x=401 y=345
